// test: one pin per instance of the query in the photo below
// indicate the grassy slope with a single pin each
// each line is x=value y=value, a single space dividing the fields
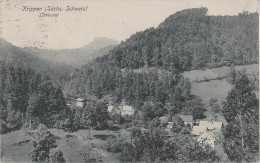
x=15 y=146
x=215 y=73
x=211 y=89
x=216 y=86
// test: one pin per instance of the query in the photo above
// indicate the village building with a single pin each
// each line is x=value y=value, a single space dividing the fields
x=113 y=109
x=211 y=125
x=127 y=110
x=187 y=119
x=205 y=126
x=169 y=126
x=209 y=138
x=198 y=130
x=164 y=119
x=80 y=102
x=123 y=110
x=110 y=108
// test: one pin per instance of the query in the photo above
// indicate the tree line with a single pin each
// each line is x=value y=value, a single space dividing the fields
x=190 y=39
x=29 y=98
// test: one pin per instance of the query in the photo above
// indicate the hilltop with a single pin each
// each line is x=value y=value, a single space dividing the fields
x=76 y=57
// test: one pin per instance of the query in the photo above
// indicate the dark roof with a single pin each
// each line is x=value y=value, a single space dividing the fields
x=186 y=118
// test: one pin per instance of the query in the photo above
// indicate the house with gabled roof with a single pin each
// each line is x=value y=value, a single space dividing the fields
x=187 y=119
x=205 y=126
x=211 y=125
x=123 y=110
x=209 y=138
x=127 y=110
x=199 y=130
x=80 y=102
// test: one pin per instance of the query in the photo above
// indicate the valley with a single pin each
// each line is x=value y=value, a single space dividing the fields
x=184 y=91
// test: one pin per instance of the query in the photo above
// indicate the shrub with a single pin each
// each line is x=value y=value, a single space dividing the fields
x=3 y=128
x=114 y=144
x=43 y=143
x=56 y=156
x=213 y=101
x=125 y=125
x=216 y=108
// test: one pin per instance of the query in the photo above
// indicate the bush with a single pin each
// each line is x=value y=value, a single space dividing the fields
x=125 y=125
x=216 y=108
x=114 y=144
x=43 y=143
x=3 y=128
x=110 y=124
x=213 y=101
x=56 y=156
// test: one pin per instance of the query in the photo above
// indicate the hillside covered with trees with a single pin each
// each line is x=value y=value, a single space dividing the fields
x=29 y=98
x=144 y=75
x=191 y=39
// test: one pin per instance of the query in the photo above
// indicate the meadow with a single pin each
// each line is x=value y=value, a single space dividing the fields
x=16 y=145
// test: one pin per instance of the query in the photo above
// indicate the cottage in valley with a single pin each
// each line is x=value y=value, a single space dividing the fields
x=127 y=110
x=187 y=119
x=211 y=125
x=209 y=138
x=113 y=109
x=170 y=125
x=80 y=102
x=205 y=126
x=198 y=130
x=123 y=110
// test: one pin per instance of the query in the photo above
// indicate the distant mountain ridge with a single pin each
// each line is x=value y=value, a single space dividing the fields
x=76 y=57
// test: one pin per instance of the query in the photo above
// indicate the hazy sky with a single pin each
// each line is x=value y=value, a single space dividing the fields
x=116 y=19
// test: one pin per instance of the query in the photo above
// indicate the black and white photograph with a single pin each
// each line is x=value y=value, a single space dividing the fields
x=115 y=81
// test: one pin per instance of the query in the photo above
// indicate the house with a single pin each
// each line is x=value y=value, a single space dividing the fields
x=187 y=119
x=211 y=125
x=170 y=125
x=80 y=102
x=209 y=138
x=205 y=126
x=198 y=130
x=164 y=119
x=127 y=110
x=110 y=108
x=113 y=109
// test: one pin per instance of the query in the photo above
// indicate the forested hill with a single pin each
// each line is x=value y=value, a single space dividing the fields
x=28 y=97
x=75 y=57
x=30 y=91
x=21 y=58
x=190 y=39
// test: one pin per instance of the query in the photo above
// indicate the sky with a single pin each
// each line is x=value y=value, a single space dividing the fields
x=116 y=19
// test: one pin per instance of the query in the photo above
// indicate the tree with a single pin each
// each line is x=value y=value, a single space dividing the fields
x=43 y=143
x=178 y=123
x=232 y=74
x=213 y=103
x=56 y=156
x=153 y=146
x=241 y=135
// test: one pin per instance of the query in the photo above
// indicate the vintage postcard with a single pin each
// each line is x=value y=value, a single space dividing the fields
x=129 y=81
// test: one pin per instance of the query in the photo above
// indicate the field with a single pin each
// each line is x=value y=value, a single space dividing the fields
x=211 y=89
x=216 y=73
x=212 y=83
x=16 y=146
